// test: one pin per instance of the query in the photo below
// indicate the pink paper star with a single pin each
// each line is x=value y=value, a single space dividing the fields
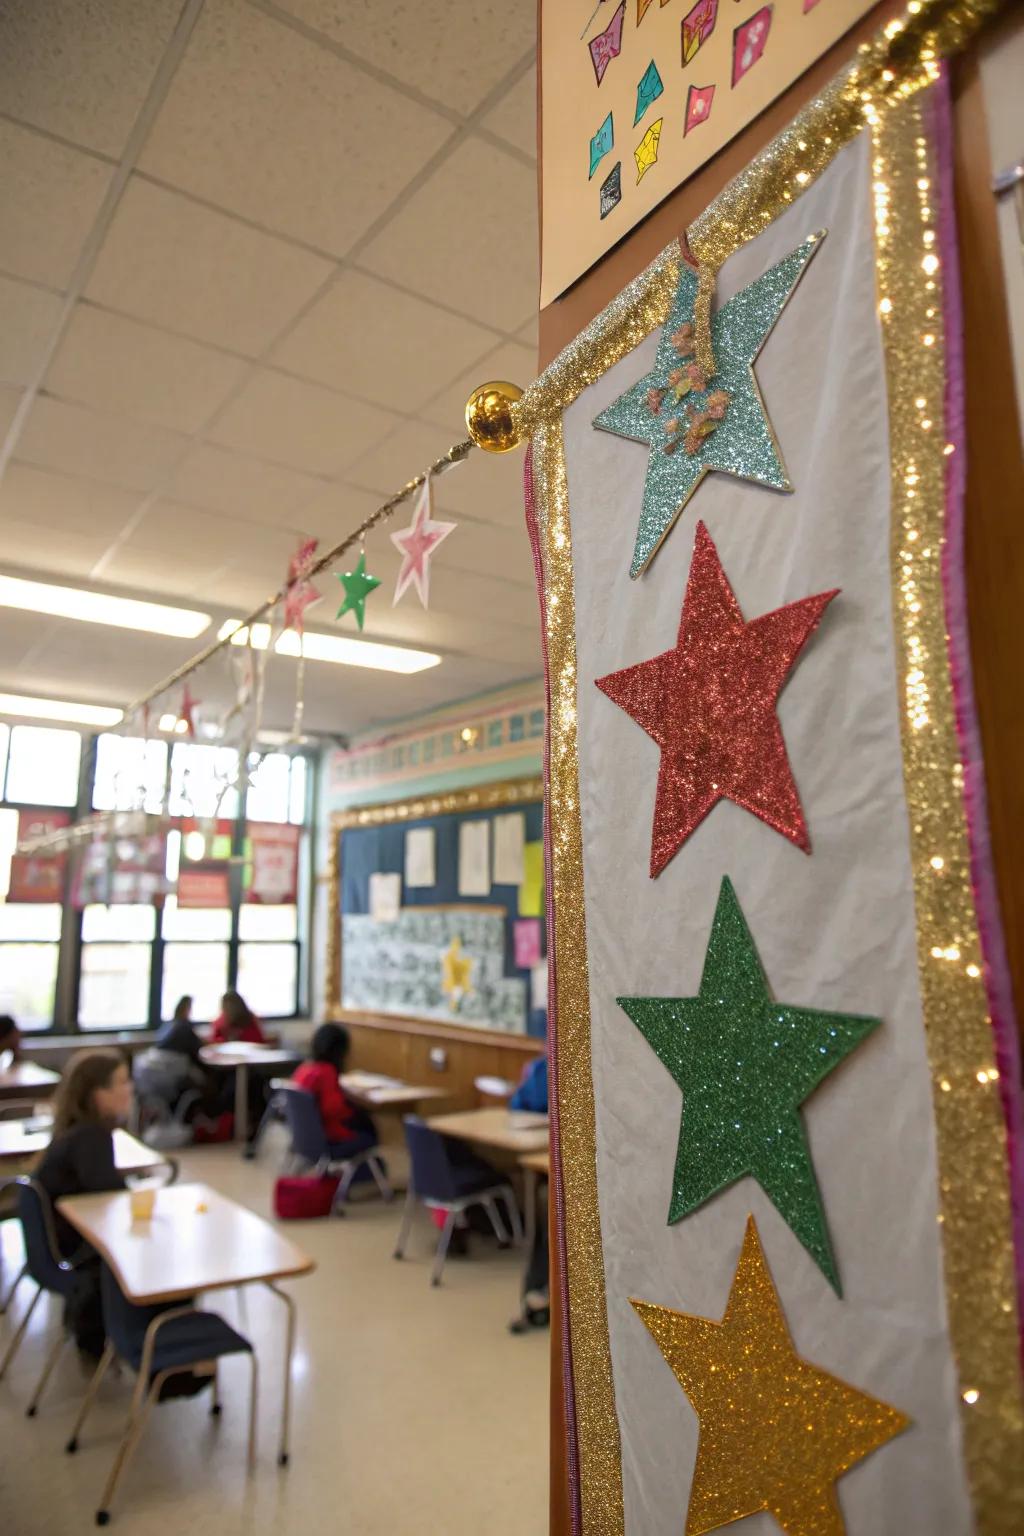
x=187 y=708
x=300 y=593
x=417 y=544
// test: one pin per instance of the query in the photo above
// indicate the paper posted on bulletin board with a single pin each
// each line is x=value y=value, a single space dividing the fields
x=638 y=94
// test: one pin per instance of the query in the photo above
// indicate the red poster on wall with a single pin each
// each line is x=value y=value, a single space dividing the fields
x=204 y=883
x=38 y=876
x=273 y=864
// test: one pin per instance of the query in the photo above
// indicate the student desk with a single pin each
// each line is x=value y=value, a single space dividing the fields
x=23 y=1138
x=24 y=1080
x=196 y=1240
x=238 y=1056
x=500 y=1130
x=535 y=1166
x=384 y=1093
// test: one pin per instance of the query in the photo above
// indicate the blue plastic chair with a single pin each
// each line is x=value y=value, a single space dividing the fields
x=445 y=1175
x=311 y=1150
x=158 y=1342
x=52 y=1274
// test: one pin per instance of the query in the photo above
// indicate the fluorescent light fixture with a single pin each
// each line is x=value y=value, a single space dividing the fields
x=338 y=648
x=99 y=608
x=59 y=709
x=172 y=725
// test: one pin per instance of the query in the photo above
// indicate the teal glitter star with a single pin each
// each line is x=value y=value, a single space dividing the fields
x=746 y=1064
x=694 y=425
x=358 y=585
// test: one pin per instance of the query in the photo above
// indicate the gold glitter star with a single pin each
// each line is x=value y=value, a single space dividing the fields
x=775 y=1432
x=456 y=970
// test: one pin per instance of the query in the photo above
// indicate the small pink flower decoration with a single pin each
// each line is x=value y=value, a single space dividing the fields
x=654 y=399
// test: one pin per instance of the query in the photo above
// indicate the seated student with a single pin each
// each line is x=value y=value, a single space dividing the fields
x=532 y=1094
x=94 y=1096
x=348 y=1128
x=178 y=1034
x=10 y=1037
x=236 y=1021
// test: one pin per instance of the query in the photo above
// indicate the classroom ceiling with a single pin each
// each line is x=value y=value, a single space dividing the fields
x=253 y=258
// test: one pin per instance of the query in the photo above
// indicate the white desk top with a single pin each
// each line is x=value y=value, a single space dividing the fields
x=243 y=1053
x=130 y=1155
x=197 y=1240
x=506 y=1130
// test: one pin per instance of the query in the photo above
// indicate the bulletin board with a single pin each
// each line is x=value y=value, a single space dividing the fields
x=442 y=956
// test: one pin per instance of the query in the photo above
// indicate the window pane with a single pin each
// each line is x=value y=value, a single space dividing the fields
x=199 y=776
x=29 y=920
x=43 y=766
x=267 y=974
x=129 y=772
x=201 y=970
x=297 y=805
x=28 y=981
x=256 y=922
x=8 y=843
x=115 y=986
x=130 y=923
x=267 y=799
x=195 y=923
x=5 y=735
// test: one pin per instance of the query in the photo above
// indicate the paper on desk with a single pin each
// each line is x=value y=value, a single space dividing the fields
x=531 y=892
x=420 y=857
x=475 y=858
x=385 y=897
x=509 y=840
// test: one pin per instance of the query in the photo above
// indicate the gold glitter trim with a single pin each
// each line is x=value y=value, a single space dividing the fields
x=597 y=1425
x=972 y=1153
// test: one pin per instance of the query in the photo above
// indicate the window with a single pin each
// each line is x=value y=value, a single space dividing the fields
x=42 y=765
x=29 y=950
x=130 y=772
x=203 y=780
x=277 y=788
x=201 y=970
x=268 y=977
x=117 y=953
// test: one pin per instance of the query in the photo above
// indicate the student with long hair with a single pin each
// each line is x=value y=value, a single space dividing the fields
x=236 y=1021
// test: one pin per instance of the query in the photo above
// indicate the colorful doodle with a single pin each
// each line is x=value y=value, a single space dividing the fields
x=698 y=106
x=646 y=152
x=748 y=42
x=642 y=7
x=601 y=143
x=648 y=90
x=607 y=45
x=698 y=26
x=611 y=189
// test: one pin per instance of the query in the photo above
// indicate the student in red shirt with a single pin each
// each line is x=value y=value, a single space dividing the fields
x=348 y=1128
x=236 y=1021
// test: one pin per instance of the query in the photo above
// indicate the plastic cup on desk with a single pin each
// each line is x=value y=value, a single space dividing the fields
x=142 y=1195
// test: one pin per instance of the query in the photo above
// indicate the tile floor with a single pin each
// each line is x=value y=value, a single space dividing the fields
x=414 y=1409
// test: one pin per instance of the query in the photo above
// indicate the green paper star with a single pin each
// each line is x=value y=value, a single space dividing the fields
x=358 y=585
x=740 y=441
x=746 y=1064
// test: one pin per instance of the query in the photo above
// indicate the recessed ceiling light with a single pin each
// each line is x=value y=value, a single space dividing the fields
x=100 y=608
x=338 y=648
x=59 y=709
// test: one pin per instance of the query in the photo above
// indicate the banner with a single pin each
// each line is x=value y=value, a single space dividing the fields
x=38 y=876
x=273 y=852
x=785 y=1063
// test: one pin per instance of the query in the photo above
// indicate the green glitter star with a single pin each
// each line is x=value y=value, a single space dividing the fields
x=358 y=585
x=740 y=441
x=746 y=1064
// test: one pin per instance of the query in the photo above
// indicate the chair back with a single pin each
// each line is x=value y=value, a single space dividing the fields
x=124 y=1323
x=302 y=1117
x=430 y=1170
x=42 y=1255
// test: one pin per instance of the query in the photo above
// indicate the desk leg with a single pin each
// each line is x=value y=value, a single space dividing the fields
x=530 y=1201
x=241 y=1102
x=286 y=1408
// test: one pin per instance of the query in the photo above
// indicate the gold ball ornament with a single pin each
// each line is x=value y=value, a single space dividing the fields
x=491 y=417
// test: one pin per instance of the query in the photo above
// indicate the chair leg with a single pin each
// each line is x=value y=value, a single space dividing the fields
x=8 y=1297
x=514 y=1218
x=442 y=1247
x=215 y=1403
x=286 y=1405
x=345 y=1183
x=51 y=1360
x=19 y=1333
x=90 y=1397
x=491 y=1208
x=403 y=1231
x=253 y=1399
x=132 y=1435
x=380 y=1178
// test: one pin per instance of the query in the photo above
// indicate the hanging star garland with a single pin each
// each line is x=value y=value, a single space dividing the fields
x=456 y=972
x=187 y=710
x=710 y=704
x=417 y=545
x=746 y=1064
x=358 y=585
x=775 y=1431
x=695 y=424
x=300 y=592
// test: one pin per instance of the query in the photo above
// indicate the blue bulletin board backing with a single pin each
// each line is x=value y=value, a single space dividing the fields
x=364 y=850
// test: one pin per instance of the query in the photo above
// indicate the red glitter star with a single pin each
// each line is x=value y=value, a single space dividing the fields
x=710 y=705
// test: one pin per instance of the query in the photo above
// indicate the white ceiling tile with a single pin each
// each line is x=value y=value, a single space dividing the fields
x=403 y=342
x=468 y=237
x=487 y=548
x=9 y=400
x=510 y=361
x=529 y=335
x=178 y=264
x=243 y=487
x=514 y=117
x=132 y=454
x=121 y=365
x=336 y=511
x=51 y=196
x=405 y=453
x=82 y=68
x=28 y=318
x=55 y=503
x=35 y=549
x=454 y=57
x=299 y=424
x=209 y=538
x=152 y=572
x=263 y=122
